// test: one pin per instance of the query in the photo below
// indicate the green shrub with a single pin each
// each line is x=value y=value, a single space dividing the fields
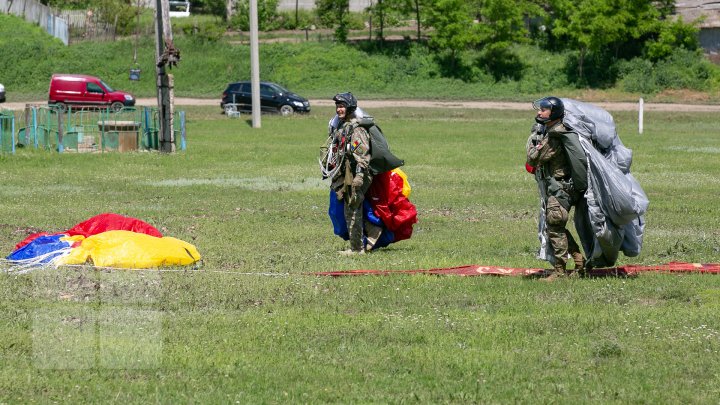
x=204 y=32
x=268 y=18
x=683 y=69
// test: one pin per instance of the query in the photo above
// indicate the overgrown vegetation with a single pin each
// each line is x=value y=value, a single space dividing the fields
x=602 y=43
x=403 y=69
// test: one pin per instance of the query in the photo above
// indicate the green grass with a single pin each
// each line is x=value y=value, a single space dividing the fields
x=252 y=327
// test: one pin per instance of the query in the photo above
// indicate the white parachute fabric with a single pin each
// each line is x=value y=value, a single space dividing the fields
x=611 y=219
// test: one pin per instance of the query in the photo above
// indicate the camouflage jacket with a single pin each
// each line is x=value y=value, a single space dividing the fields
x=357 y=151
x=559 y=155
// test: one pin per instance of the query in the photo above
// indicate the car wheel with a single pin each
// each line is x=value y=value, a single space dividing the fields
x=286 y=110
x=116 y=106
x=62 y=107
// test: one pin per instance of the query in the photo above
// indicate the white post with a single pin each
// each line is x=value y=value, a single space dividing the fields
x=254 y=65
x=640 y=116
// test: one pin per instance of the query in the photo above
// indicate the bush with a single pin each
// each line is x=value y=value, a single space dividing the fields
x=683 y=69
x=204 y=32
x=499 y=60
x=268 y=18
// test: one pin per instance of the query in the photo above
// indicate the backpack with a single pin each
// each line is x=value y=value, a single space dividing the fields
x=381 y=159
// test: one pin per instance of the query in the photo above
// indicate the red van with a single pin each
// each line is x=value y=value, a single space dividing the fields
x=82 y=90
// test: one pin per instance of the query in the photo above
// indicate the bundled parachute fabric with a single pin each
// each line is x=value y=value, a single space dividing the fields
x=43 y=249
x=386 y=205
x=611 y=219
x=102 y=223
x=105 y=240
x=477 y=270
x=126 y=249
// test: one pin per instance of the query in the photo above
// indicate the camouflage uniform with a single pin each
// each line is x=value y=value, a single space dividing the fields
x=548 y=153
x=354 y=180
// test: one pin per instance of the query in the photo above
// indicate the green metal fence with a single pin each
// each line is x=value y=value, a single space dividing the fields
x=86 y=129
x=7 y=131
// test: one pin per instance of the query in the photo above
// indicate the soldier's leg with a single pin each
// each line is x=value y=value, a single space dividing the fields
x=372 y=233
x=557 y=217
x=575 y=252
x=354 y=220
x=354 y=214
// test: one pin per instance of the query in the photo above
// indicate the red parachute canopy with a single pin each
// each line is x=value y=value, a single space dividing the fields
x=391 y=206
x=99 y=224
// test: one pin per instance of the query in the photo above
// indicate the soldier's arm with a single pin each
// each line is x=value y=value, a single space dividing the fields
x=360 y=148
x=543 y=151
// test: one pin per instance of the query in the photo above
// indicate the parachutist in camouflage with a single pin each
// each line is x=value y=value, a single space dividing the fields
x=354 y=176
x=560 y=168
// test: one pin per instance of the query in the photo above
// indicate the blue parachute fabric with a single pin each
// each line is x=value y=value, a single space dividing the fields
x=336 y=211
x=370 y=214
x=41 y=246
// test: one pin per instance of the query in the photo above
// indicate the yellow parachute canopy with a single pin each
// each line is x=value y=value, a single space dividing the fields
x=406 y=189
x=126 y=249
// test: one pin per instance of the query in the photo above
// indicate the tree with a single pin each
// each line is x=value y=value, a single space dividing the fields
x=673 y=35
x=599 y=25
x=266 y=10
x=455 y=30
x=333 y=13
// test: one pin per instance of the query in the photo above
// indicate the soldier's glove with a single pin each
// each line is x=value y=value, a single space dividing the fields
x=537 y=133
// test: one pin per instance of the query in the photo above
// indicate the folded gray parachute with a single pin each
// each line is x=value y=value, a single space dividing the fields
x=612 y=216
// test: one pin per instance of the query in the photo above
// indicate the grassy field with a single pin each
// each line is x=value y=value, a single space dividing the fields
x=251 y=326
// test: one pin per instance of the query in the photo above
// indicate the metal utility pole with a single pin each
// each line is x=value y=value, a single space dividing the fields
x=166 y=55
x=254 y=65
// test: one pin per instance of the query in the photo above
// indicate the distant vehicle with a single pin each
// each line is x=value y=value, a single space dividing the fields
x=83 y=90
x=273 y=98
x=2 y=93
x=179 y=8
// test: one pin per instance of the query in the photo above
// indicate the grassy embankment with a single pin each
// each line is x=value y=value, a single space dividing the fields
x=313 y=69
x=252 y=202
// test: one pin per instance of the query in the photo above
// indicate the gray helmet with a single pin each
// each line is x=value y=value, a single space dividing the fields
x=348 y=99
x=554 y=104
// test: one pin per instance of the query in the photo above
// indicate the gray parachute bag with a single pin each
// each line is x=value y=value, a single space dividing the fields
x=611 y=218
x=381 y=159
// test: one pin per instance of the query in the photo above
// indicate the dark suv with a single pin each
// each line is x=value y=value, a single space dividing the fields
x=273 y=98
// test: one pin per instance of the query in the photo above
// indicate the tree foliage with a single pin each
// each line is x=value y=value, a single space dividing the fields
x=334 y=13
x=267 y=15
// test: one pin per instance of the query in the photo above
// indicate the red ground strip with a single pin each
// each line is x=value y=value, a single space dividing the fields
x=476 y=270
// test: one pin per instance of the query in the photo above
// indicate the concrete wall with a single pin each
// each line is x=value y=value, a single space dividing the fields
x=355 y=5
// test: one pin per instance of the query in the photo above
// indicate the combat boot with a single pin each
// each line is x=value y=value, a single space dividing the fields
x=350 y=252
x=557 y=272
x=579 y=261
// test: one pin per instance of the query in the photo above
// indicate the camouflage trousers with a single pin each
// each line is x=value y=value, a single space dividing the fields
x=560 y=238
x=355 y=221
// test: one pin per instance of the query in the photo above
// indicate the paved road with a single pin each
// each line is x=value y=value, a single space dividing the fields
x=482 y=105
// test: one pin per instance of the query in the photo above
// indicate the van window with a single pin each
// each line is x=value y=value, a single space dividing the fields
x=94 y=88
x=107 y=87
x=245 y=87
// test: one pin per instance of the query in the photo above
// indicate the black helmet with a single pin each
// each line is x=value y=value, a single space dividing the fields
x=348 y=99
x=554 y=104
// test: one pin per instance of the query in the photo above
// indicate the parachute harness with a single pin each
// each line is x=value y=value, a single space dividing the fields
x=332 y=155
